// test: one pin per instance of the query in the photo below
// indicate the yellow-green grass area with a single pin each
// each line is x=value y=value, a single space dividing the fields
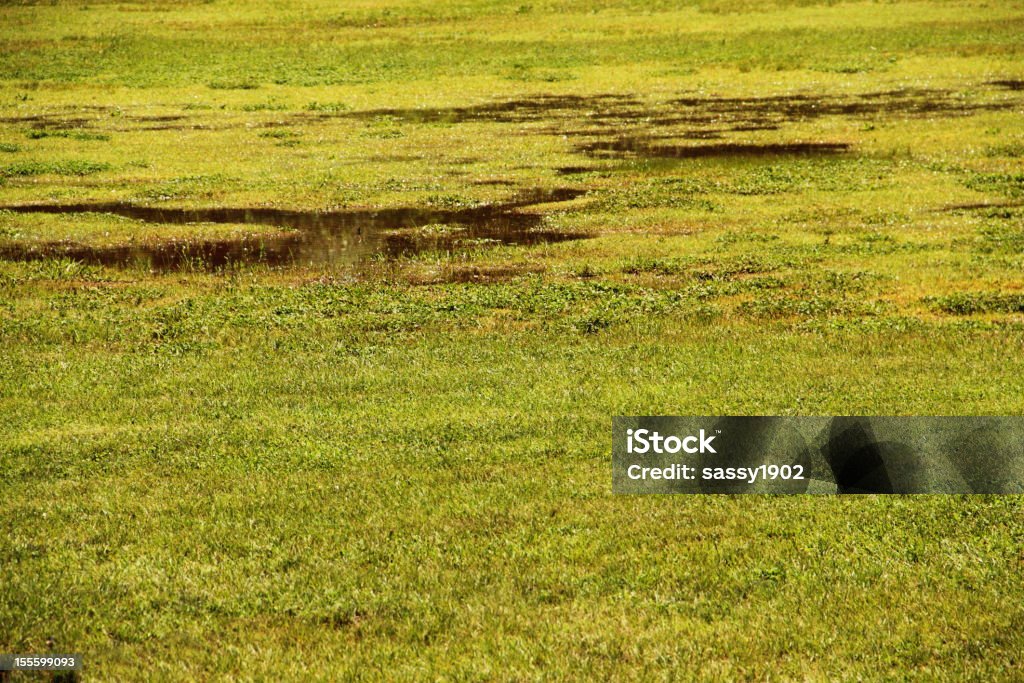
x=400 y=468
x=95 y=229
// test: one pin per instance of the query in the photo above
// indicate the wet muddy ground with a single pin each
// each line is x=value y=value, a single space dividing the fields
x=313 y=238
x=626 y=146
x=737 y=113
x=980 y=206
x=598 y=127
x=699 y=116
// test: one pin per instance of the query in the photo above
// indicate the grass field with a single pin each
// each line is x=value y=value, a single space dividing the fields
x=231 y=450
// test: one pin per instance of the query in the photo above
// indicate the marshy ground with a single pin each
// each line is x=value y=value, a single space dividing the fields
x=314 y=319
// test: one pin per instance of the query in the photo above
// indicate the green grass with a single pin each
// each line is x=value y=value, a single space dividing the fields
x=400 y=470
x=71 y=167
x=107 y=230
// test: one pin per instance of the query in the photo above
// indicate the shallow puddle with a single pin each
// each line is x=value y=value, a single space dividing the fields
x=724 y=114
x=315 y=238
x=644 y=148
x=1009 y=84
x=981 y=206
x=699 y=116
x=609 y=126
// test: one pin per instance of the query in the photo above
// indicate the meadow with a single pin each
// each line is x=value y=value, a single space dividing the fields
x=314 y=317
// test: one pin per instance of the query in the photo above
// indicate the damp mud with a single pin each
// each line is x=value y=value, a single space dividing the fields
x=308 y=238
x=1009 y=84
x=577 y=170
x=981 y=206
x=611 y=125
x=584 y=118
x=704 y=114
x=625 y=146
